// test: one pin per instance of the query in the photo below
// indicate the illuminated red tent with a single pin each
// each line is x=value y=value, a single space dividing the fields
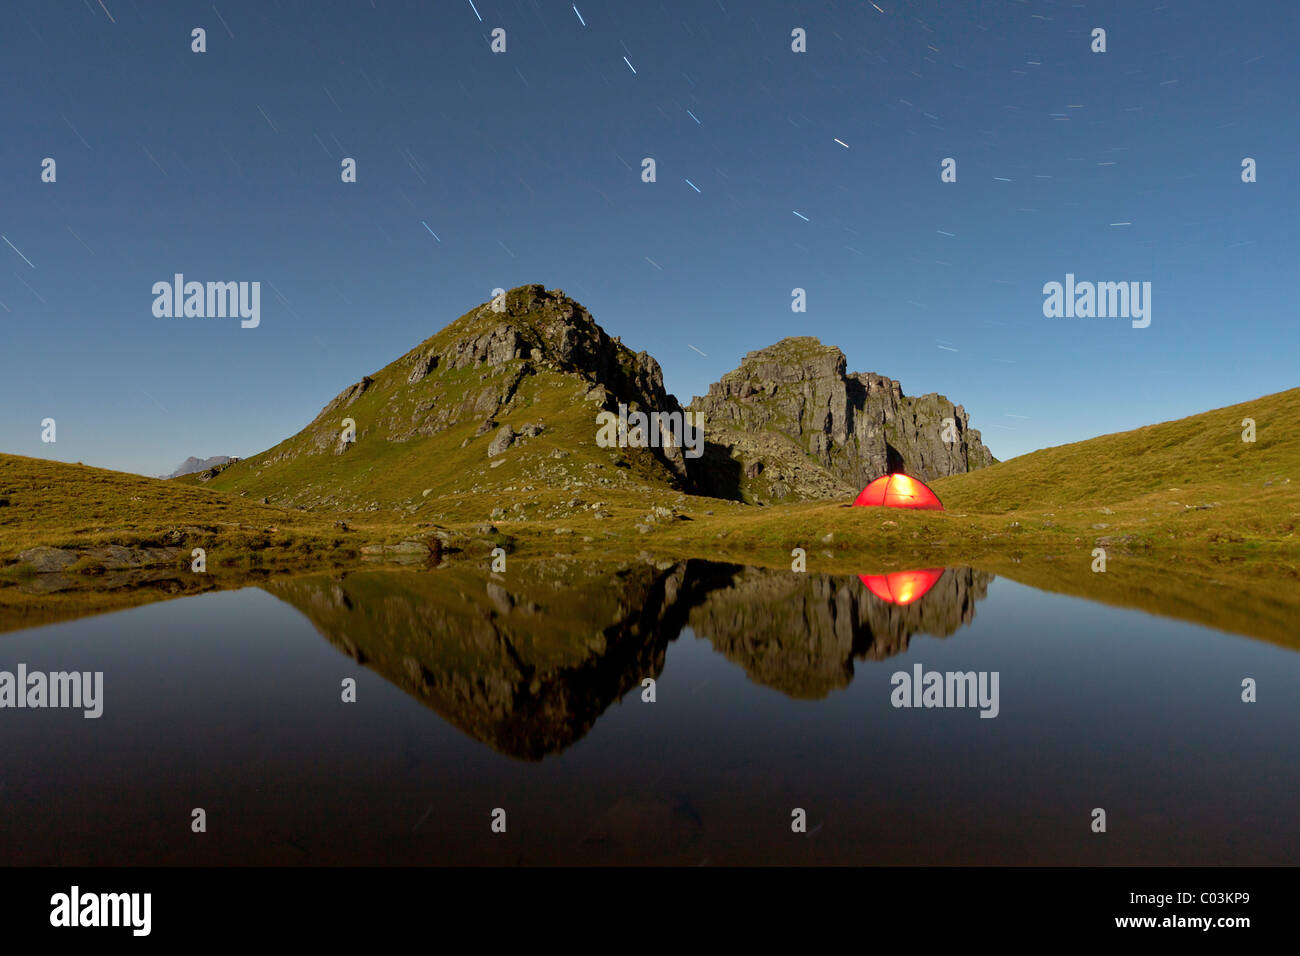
x=899 y=491
x=902 y=587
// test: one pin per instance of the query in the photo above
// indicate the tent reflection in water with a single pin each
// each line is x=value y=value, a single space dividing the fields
x=902 y=587
x=899 y=491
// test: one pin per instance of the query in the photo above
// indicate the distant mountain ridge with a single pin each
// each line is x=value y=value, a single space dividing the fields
x=190 y=465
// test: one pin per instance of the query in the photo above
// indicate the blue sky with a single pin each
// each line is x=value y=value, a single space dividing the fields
x=225 y=166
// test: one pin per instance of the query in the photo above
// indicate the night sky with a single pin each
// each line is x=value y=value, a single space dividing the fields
x=478 y=170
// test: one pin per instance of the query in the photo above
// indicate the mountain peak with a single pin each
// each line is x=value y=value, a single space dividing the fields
x=527 y=371
x=538 y=325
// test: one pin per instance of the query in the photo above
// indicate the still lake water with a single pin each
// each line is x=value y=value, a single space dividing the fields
x=524 y=692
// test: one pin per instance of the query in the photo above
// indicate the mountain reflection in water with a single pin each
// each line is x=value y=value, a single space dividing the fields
x=528 y=666
x=773 y=690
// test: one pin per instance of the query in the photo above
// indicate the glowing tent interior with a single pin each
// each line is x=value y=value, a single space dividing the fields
x=899 y=491
x=902 y=587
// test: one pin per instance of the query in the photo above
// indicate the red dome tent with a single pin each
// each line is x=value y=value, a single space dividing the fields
x=899 y=491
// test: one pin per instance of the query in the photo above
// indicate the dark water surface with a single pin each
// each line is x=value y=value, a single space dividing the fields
x=524 y=692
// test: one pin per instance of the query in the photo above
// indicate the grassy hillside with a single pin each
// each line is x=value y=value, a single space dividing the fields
x=1203 y=452
x=1183 y=486
x=450 y=475
x=1189 y=478
x=424 y=423
x=74 y=506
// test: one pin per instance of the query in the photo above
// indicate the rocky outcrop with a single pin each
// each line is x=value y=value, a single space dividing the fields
x=45 y=560
x=208 y=474
x=532 y=328
x=796 y=424
x=503 y=440
x=349 y=395
x=106 y=557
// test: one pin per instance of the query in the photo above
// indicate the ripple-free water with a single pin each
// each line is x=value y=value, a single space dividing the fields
x=524 y=692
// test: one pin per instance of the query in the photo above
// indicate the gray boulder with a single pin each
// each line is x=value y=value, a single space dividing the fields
x=505 y=437
x=45 y=560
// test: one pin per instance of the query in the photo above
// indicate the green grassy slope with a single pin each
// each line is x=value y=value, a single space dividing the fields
x=75 y=506
x=421 y=446
x=1153 y=475
x=453 y=466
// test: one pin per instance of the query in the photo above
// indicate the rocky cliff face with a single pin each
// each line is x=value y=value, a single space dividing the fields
x=791 y=422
